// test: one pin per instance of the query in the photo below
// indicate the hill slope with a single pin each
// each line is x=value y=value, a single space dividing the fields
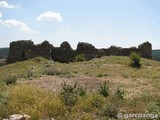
x=113 y=68
x=141 y=86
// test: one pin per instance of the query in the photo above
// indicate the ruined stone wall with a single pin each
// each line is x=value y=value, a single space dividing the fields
x=146 y=50
x=23 y=50
x=64 y=53
x=44 y=49
x=87 y=49
x=17 y=50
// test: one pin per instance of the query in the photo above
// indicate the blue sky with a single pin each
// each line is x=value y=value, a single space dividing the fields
x=103 y=23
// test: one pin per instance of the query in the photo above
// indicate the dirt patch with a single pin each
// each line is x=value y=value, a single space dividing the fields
x=54 y=82
x=130 y=86
x=112 y=65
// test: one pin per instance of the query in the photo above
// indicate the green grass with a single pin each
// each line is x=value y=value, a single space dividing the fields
x=111 y=68
x=21 y=69
x=40 y=103
x=33 y=101
x=141 y=88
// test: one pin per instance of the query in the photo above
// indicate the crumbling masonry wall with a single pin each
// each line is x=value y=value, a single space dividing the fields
x=25 y=49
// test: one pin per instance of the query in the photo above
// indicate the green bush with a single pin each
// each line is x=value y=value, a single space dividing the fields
x=119 y=93
x=89 y=103
x=69 y=99
x=80 y=57
x=111 y=110
x=99 y=75
x=11 y=79
x=153 y=108
x=81 y=91
x=66 y=74
x=102 y=75
x=135 y=60
x=66 y=88
x=31 y=73
x=69 y=94
x=104 y=90
x=51 y=71
x=97 y=101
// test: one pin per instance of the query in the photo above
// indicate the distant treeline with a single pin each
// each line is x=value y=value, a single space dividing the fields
x=156 y=55
x=4 y=53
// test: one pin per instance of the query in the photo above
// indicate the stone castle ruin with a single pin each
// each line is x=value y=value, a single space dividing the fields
x=25 y=49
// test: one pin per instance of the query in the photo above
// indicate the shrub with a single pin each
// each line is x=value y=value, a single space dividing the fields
x=153 y=108
x=11 y=79
x=135 y=60
x=97 y=101
x=104 y=90
x=69 y=94
x=146 y=97
x=89 y=102
x=125 y=75
x=102 y=75
x=99 y=75
x=81 y=91
x=80 y=57
x=31 y=73
x=66 y=73
x=69 y=99
x=68 y=88
x=51 y=71
x=111 y=110
x=119 y=93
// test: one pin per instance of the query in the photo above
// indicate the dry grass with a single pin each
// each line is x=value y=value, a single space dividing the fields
x=36 y=102
x=141 y=86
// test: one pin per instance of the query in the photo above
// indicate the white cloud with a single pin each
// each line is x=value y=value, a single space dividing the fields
x=50 y=16
x=18 y=25
x=0 y=15
x=4 y=4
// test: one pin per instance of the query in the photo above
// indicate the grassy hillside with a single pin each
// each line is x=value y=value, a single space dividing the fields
x=39 y=83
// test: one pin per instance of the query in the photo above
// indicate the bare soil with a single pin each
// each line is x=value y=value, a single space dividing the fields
x=54 y=82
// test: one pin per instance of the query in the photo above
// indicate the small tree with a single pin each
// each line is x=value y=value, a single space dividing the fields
x=135 y=60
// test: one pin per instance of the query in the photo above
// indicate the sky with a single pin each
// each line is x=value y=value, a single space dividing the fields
x=124 y=23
